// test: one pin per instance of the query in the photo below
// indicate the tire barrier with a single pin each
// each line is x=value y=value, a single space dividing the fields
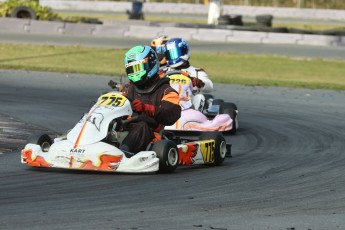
x=24 y=12
x=264 y=20
x=231 y=19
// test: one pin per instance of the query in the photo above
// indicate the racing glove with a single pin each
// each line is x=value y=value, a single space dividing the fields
x=140 y=107
x=197 y=82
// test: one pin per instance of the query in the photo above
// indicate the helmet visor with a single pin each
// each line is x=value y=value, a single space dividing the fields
x=136 y=69
x=173 y=53
x=160 y=49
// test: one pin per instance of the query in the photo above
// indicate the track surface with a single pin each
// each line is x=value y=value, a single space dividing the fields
x=287 y=170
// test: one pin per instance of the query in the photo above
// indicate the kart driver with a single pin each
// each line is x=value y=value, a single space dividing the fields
x=150 y=96
x=177 y=56
x=158 y=45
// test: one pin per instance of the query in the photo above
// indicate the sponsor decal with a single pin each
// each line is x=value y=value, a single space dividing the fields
x=106 y=163
x=29 y=159
x=77 y=151
x=187 y=153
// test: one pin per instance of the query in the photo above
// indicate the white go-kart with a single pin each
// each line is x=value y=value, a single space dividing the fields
x=93 y=144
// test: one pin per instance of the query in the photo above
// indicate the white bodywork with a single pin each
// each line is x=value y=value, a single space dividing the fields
x=83 y=148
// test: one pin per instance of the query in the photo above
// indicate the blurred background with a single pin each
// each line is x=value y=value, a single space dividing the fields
x=316 y=4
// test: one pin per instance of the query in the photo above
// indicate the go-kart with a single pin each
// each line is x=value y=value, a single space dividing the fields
x=201 y=112
x=93 y=144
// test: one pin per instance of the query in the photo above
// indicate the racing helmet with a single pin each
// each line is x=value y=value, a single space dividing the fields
x=177 y=52
x=141 y=63
x=158 y=45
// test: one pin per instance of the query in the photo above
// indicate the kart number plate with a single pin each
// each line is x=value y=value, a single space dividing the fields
x=207 y=150
x=110 y=99
x=179 y=79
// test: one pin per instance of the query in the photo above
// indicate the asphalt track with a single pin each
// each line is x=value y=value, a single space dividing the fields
x=287 y=169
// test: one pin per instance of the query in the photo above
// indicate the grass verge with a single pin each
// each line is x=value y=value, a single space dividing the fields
x=230 y=68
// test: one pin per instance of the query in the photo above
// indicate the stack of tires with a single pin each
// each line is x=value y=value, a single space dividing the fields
x=233 y=19
x=264 y=20
x=23 y=12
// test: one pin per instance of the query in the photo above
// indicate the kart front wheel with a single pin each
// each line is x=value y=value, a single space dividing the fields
x=42 y=140
x=220 y=145
x=167 y=153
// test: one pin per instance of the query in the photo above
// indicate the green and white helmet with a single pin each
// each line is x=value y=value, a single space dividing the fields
x=141 y=63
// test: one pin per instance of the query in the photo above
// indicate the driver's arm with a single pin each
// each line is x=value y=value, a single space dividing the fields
x=169 y=110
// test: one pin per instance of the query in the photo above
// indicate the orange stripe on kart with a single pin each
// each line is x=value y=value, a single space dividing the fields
x=82 y=129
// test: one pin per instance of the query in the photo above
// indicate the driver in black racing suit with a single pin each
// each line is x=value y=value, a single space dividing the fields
x=150 y=96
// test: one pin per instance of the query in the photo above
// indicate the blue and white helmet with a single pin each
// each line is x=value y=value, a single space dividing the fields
x=177 y=52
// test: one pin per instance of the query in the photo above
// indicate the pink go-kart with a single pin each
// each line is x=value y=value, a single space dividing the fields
x=211 y=114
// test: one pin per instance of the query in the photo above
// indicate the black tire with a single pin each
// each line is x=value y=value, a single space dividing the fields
x=230 y=108
x=228 y=105
x=42 y=140
x=264 y=20
x=23 y=12
x=168 y=155
x=136 y=16
x=207 y=98
x=224 y=20
x=217 y=101
x=220 y=149
x=235 y=20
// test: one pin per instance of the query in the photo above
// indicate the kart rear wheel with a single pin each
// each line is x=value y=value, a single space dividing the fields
x=220 y=145
x=217 y=101
x=167 y=153
x=42 y=140
x=231 y=109
x=229 y=105
x=208 y=98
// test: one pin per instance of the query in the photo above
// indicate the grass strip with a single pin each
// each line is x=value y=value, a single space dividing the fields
x=222 y=67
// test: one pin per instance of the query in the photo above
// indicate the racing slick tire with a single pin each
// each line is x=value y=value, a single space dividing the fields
x=207 y=98
x=231 y=109
x=168 y=155
x=42 y=140
x=220 y=149
x=217 y=101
